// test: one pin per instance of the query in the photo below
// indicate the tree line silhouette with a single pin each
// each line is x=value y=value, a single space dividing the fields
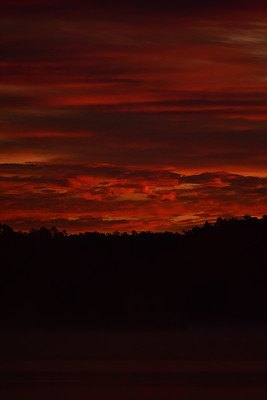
x=215 y=274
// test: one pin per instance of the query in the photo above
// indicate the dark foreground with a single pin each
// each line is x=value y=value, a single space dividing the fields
x=140 y=316
x=216 y=274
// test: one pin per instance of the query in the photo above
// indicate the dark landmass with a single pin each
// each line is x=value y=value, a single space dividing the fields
x=210 y=275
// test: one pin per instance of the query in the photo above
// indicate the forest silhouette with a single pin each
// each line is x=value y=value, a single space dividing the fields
x=215 y=274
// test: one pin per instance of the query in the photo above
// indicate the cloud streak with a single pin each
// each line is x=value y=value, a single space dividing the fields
x=138 y=97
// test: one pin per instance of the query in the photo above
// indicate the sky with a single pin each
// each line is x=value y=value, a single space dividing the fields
x=146 y=116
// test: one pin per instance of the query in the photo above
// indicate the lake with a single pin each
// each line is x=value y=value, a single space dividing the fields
x=190 y=364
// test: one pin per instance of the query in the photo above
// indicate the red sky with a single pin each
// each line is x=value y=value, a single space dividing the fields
x=143 y=116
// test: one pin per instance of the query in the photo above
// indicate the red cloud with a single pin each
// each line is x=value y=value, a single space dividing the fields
x=115 y=110
x=111 y=198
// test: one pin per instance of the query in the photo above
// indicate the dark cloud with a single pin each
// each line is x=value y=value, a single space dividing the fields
x=71 y=7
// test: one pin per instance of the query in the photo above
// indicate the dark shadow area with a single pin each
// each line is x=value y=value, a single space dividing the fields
x=215 y=274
